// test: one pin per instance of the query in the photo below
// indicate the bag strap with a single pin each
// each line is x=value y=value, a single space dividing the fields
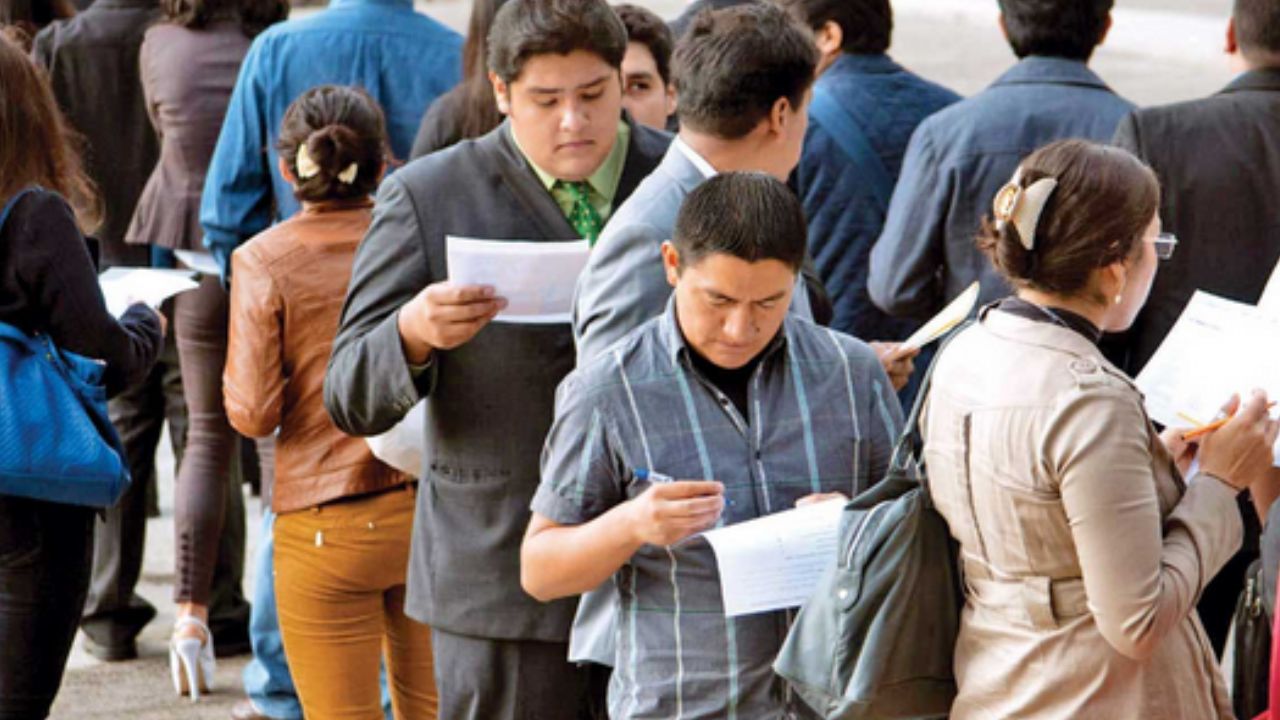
x=13 y=202
x=907 y=448
x=851 y=138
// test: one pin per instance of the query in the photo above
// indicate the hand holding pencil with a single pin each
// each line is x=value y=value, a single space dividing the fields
x=1238 y=448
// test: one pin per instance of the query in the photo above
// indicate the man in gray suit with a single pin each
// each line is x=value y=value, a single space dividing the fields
x=554 y=171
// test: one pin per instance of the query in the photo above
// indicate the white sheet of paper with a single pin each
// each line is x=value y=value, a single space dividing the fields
x=536 y=278
x=201 y=262
x=123 y=286
x=1217 y=347
x=775 y=562
x=952 y=315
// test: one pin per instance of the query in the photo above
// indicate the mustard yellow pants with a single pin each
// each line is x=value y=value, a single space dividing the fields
x=340 y=584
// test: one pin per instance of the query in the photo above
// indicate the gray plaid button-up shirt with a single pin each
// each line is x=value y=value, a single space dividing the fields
x=822 y=418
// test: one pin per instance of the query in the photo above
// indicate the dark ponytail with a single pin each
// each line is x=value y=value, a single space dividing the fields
x=343 y=132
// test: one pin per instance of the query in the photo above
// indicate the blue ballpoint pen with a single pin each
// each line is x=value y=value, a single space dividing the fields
x=658 y=478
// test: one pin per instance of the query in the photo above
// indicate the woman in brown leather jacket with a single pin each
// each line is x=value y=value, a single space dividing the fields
x=344 y=518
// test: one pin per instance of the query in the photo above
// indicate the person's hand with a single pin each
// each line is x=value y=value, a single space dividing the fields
x=897 y=363
x=1183 y=452
x=160 y=318
x=666 y=513
x=444 y=316
x=1239 y=452
x=816 y=498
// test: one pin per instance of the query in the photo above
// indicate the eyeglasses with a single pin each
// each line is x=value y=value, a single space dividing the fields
x=1165 y=244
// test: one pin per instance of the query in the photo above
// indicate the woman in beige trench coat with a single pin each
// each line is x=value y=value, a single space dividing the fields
x=1084 y=549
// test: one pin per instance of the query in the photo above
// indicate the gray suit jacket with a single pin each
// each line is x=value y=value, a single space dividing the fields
x=490 y=401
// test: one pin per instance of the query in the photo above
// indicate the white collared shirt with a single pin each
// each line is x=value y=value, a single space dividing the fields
x=698 y=161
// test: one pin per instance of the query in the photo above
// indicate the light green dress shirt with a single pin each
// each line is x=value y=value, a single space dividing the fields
x=603 y=182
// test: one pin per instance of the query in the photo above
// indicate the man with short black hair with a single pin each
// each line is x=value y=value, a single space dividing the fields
x=553 y=171
x=1218 y=160
x=725 y=373
x=647 y=91
x=864 y=110
x=959 y=157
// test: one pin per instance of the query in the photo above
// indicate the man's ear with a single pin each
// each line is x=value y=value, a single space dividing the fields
x=779 y=115
x=671 y=262
x=830 y=38
x=501 y=93
x=1233 y=41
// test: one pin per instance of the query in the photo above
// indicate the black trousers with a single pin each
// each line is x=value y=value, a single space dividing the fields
x=487 y=679
x=45 y=555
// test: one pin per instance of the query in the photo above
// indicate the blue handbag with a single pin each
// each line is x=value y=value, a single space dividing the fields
x=56 y=440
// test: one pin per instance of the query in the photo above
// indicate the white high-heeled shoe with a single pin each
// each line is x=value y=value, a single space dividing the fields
x=191 y=661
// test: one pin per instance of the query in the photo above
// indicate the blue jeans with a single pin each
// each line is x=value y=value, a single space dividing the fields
x=266 y=678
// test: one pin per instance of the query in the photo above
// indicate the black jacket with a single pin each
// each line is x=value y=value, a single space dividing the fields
x=489 y=402
x=93 y=66
x=1218 y=160
x=48 y=285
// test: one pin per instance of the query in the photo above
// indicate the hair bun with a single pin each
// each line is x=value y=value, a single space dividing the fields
x=332 y=148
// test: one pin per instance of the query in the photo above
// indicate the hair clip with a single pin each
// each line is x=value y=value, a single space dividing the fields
x=348 y=176
x=1022 y=206
x=307 y=167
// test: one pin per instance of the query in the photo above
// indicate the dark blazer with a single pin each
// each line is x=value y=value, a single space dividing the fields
x=1218 y=160
x=49 y=285
x=93 y=66
x=490 y=401
x=187 y=79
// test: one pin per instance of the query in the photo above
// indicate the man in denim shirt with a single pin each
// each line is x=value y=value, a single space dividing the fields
x=881 y=101
x=404 y=60
x=959 y=157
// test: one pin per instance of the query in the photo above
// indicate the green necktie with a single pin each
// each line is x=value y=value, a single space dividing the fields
x=583 y=216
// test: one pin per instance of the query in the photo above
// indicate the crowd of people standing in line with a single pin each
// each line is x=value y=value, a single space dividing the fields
x=772 y=203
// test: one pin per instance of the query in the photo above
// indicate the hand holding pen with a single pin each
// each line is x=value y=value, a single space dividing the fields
x=1238 y=450
x=671 y=510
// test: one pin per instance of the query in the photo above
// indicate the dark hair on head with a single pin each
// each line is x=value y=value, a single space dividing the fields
x=254 y=16
x=479 y=113
x=1068 y=29
x=1258 y=30
x=867 y=25
x=37 y=146
x=339 y=125
x=646 y=28
x=732 y=65
x=749 y=215
x=1104 y=201
x=523 y=29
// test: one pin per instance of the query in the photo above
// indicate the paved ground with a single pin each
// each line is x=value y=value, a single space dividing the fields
x=1159 y=51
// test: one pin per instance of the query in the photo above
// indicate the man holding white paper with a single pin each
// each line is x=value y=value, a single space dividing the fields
x=553 y=172
x=753 y=409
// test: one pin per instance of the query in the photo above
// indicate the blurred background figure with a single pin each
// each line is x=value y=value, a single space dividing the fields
x=647 y=91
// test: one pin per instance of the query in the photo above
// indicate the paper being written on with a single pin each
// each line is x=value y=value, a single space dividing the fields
x=536 y=278
x=775 y=562
x=121 y=286
x=1218 y=347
